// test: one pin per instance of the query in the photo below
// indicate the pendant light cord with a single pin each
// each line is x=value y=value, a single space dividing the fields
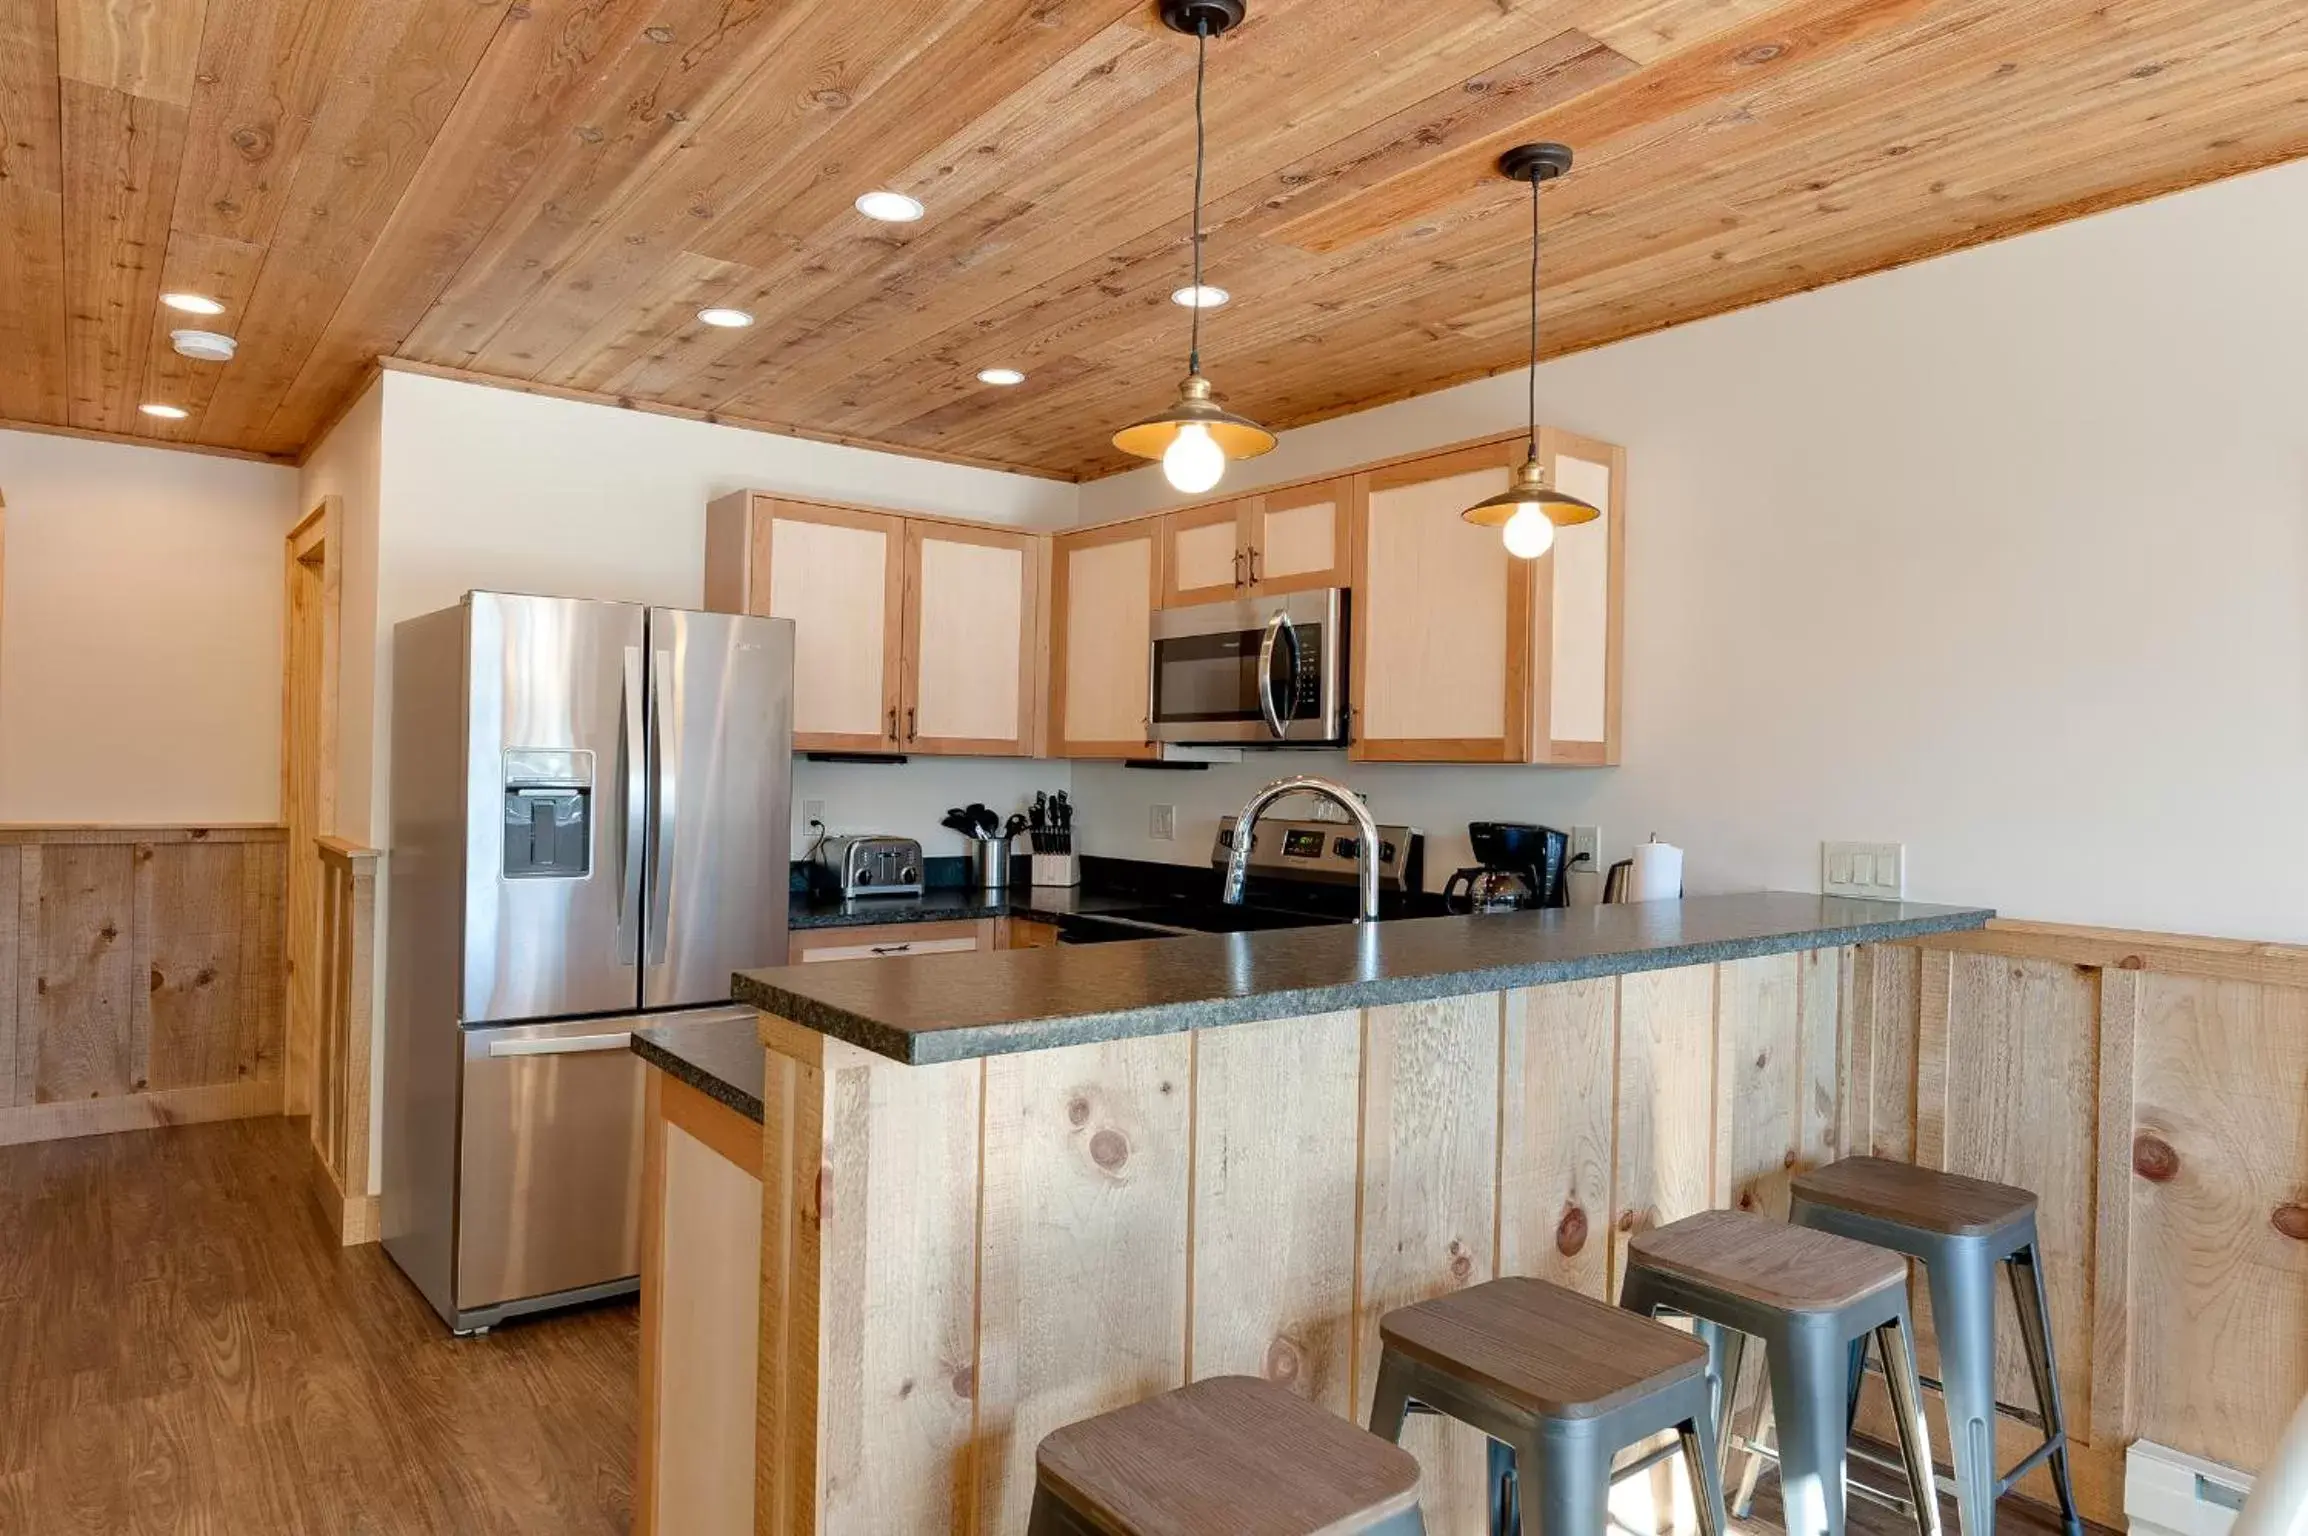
x=1201 y=55
x=1534 y=377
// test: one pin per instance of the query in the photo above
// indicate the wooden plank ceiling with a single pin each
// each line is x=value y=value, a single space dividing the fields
x=545 y=191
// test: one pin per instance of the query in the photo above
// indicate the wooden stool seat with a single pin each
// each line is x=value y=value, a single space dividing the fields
x=1815 y=1307
x=1231 y=1453
x=1792 y=1269
x=1543 y=1349
x=1916 y=1197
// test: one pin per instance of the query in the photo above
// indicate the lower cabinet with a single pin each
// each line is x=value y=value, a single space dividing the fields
x=890 y=941
x=700 y=1314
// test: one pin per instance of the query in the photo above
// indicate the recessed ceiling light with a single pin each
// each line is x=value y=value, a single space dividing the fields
x=1204 y=297
x=192 y=303
x=727 y=319
x=164 y=412
x=889 y=207
x=1004 y=376
x=203 y=346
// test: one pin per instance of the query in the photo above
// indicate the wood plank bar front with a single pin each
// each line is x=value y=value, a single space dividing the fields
x=957 y=1259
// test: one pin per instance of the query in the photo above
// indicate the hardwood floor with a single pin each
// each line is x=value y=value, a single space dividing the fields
x=182 y=1350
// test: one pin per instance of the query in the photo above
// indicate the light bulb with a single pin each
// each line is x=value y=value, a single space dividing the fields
x=1529 y=533
x=1193 y=461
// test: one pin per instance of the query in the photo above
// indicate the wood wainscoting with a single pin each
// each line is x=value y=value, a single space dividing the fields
x=2149 y=1088
x=140 y=977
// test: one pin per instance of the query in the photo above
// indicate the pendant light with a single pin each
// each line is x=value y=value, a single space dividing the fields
x=1196 y=436
x=1529 y=510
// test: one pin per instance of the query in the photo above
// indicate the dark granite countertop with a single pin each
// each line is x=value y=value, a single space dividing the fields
x=951 y=1007
x=720 y=1057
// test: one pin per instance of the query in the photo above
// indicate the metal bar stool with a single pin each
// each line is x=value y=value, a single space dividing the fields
x=1960 y=1229
x=1564 y=1382
x=1231 y=1453
x=1808 y=1297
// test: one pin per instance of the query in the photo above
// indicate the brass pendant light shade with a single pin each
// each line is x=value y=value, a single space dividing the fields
x=1530 y=489
x=1536 y=164
x=1238 y=437
x=1196 y=436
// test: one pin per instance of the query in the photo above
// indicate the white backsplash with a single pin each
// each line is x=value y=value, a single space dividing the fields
x=909 y=799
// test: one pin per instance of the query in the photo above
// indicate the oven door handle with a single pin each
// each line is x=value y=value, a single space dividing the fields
x=1277 y=629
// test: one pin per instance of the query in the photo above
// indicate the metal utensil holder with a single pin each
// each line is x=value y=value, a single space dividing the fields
x=990 y=863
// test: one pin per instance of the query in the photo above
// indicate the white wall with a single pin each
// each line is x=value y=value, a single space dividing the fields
x=2004 y=556
x=494 y=488
x=349 y=464
x=140 y=633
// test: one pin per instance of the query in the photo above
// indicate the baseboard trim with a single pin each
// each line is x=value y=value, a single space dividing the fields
x=139 y=1111
x=351 y=1218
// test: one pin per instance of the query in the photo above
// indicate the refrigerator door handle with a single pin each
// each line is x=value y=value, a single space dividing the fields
x=662 y=809
x=636 y=813
x=563 y=1045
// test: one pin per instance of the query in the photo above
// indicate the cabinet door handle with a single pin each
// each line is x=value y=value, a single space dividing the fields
x=911 y=733
x=891 y=949
x=893 y=722
x=1253 y=553
x=1238 y=577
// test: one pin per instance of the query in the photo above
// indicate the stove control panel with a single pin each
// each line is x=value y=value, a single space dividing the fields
x=1316 y=850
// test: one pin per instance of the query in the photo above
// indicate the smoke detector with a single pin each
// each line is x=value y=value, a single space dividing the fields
x=204 y=346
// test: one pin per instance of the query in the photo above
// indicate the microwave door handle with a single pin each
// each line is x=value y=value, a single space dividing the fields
x=1289 y=710
x=636 y=812
x=661 y=821
x=1266 y=705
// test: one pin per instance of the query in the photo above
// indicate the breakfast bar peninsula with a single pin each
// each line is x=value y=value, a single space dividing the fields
x=1005 y=1191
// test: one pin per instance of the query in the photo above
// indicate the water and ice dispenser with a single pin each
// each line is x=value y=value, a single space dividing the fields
x=548 y=814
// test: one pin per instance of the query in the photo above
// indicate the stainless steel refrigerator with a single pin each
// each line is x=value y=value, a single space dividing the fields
x=590 y=831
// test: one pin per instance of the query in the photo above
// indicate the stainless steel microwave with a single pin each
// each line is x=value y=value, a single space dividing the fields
x=1260 y=671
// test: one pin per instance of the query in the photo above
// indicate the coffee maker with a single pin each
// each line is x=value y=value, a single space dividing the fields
x=1522 y=866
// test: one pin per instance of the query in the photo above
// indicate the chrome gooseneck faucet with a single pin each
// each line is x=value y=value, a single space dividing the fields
x=1366 y=852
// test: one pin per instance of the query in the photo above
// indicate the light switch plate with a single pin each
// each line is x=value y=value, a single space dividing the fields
x=1874 y=870
x=1162 y=823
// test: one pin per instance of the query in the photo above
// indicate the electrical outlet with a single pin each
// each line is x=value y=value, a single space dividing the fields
x=1587 y=841
x=1876 y=870
x=1162 y=824
x=1327 y=809
x=812 y=811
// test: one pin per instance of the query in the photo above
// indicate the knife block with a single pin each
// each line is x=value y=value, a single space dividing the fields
x=1057 y=869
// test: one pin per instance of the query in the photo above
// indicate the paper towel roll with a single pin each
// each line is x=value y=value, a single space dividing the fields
x=1658 y=872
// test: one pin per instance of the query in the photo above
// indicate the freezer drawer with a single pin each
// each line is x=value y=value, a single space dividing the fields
x=549 y=1172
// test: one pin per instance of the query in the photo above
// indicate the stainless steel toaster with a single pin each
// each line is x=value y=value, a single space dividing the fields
x=874 y=865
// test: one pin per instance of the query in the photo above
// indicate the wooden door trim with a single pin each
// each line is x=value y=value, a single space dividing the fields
x=1061 y=745
x=766 y=510
x=1240 y=511
x=312 y=551
x=919 y=531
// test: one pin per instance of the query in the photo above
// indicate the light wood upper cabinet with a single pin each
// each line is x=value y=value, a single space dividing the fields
x=839 y=574
x=1289 y=540
x=1581 y=608
x=910 y=634
x=1106 y=583
x=1203 y=554
x=972 y=621
x=1463 y=653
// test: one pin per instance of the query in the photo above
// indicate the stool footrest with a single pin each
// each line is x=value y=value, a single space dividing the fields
x=2012 y=1411
x=2029 y=1463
